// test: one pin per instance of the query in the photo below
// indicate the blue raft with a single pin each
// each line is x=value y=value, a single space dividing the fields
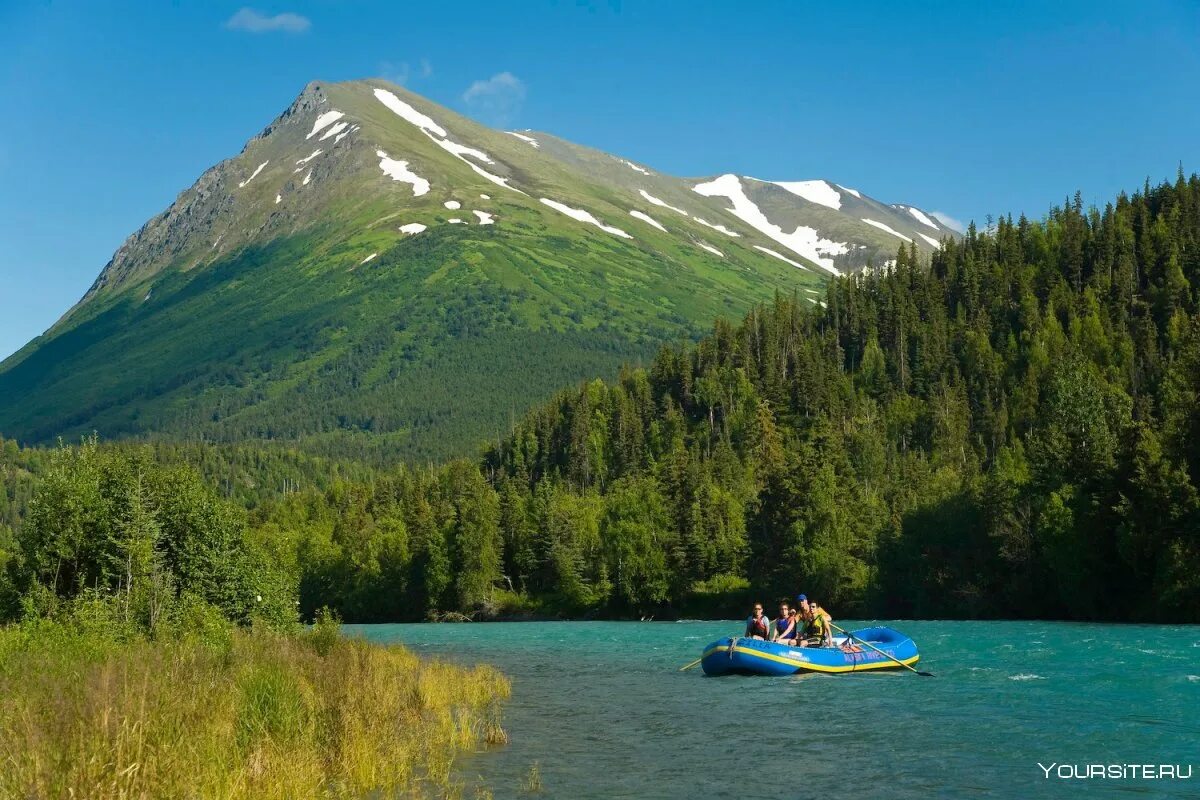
x=741 y=656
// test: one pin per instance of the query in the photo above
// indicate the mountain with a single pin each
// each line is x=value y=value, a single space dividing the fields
x=375 y=275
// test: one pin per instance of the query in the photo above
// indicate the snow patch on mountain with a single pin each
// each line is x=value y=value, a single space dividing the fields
x=368 y=258
x=649 y=220
x=484 y=217
x=847 y=189
x=453 y=205
x=412 y=227
x=433 y=131
x=818 y=192
x=534 y=142
x=781 y=257
x=334 y=130
x=635 y=167
x=308 y=158
x=710 y=249
x=278 y=198
x=323 y=120
x=254 y=174
x=307 y=178
x=932 y=241
x=408 y=113
x=485 y=197
x=496 y=179
x=716 y=227
x=920 y=216
x=455 y=221
x=584 y=216
x=887 y=228
x=803 y=241
x=399 y=171
x=462 y=150
x=662 y=203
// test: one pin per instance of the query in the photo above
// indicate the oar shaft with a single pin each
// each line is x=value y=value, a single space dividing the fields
x=873 y=647
x=689 y=666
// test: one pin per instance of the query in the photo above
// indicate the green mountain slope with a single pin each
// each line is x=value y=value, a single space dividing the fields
x=377 y=276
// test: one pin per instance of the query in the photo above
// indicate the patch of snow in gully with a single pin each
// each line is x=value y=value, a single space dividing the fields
x=585 y=216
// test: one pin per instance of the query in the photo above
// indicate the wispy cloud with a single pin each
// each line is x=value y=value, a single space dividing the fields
x=251 y=21
x=403 y=72
x=948 y=221
x=498 y=99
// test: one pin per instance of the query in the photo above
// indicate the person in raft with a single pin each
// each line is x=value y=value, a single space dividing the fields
x=785 y=626
x=757 y=625
x=816 y=632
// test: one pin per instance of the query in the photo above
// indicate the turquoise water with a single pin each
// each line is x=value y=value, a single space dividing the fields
x=603 y=710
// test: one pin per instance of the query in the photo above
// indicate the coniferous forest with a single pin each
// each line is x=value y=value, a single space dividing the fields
x=1009 y=430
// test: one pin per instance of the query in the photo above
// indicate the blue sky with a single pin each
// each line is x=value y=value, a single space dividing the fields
x=112 y=109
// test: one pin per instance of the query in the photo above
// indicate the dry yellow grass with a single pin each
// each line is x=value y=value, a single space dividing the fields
x=263 y=715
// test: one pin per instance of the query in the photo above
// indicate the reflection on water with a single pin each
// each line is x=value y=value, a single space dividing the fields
x=604 y=711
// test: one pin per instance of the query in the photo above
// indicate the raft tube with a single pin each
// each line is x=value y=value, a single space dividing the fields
x=742 y=656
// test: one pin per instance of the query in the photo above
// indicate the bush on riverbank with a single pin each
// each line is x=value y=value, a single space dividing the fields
x=93 y=708
x=154 y=651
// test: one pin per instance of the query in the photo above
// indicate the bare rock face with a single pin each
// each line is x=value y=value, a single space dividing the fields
x=206 y=211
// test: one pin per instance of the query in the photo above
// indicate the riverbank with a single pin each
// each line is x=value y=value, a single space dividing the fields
x=98 y=712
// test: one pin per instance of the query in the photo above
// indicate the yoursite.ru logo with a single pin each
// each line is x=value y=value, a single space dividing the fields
x=1117 y=771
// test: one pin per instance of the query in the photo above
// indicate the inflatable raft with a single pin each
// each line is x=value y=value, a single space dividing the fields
x=741 y=656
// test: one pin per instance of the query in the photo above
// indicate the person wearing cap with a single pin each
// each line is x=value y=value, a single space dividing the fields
x=816 y=623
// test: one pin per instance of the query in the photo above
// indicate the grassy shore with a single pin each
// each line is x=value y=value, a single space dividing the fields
x=232 y=713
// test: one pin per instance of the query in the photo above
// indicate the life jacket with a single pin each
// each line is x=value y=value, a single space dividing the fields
x=781 y=625
x=758 y=627
x=816 y=626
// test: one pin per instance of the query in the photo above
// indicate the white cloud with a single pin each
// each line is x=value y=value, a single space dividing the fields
x=401 y=72
x=497 y=99
x=251 y=21
x=948 y=221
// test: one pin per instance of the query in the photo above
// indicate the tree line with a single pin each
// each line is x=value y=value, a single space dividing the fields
x=1010 y=429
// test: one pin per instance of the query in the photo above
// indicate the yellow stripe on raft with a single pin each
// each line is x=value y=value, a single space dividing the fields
x=808 y=664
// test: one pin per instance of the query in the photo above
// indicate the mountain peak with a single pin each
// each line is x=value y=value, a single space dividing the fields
x=369 y=235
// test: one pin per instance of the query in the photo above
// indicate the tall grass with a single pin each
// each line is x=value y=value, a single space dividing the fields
x=245 y=714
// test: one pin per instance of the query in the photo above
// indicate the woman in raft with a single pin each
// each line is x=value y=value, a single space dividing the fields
x=785 y=627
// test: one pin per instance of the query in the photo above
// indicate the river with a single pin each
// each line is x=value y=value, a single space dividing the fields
x=603 y=711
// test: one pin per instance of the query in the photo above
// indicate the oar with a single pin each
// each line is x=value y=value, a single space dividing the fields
x=689 y=666
x=854 y=638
